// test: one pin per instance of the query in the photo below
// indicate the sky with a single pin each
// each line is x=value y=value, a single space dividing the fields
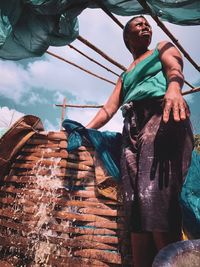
x=35 y=85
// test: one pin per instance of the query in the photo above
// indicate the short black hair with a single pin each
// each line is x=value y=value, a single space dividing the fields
x=126 y=30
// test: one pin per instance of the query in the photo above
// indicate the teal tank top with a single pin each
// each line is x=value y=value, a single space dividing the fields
x=145 y=80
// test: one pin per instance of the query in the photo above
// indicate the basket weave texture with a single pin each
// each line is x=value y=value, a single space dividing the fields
x=59 y=208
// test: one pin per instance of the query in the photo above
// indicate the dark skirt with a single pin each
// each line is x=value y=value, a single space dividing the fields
x=154 y=163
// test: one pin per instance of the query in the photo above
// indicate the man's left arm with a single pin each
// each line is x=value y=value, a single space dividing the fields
x=173 y=65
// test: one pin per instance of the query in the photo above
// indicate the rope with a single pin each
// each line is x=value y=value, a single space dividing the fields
x=169 y=34
x=91 y=59
x=79 y=67
x=97 y=50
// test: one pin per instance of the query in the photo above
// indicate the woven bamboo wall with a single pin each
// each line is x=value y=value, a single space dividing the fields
x=52 y=212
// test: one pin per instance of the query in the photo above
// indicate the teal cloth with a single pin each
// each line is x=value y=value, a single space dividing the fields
x=29 y=27
x=190 y=198
x=145 y=80
x=107 y=144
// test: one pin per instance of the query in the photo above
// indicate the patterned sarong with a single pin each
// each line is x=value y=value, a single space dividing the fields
x=155 y=159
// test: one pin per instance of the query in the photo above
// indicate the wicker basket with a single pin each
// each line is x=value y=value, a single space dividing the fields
x=59 y=208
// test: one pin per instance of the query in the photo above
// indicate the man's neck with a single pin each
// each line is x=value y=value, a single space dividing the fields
x=139 y=52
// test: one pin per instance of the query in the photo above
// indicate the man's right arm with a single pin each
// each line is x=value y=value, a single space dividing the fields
x=109 y=109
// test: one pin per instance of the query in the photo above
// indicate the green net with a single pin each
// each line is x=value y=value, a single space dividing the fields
x=29 y=27
x=190 y=198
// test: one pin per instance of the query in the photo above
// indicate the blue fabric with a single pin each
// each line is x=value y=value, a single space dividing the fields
x=107 y=144
x=29 y=27
x=190 y=198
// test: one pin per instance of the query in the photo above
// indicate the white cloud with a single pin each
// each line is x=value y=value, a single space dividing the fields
x=49 y=126
x=85 y=115
x=34 y=98
x=54 y=75
x=51 y=75
x=9 y=116
x=55 y=79
x=14 y=81
x=58 y=97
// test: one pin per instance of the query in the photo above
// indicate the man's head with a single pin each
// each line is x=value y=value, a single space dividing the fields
x=137 y=31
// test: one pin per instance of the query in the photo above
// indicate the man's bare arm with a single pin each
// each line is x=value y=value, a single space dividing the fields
x=173 y=66
x=109 y=109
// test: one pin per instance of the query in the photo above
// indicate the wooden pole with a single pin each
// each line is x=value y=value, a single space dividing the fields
x=77 y=66
x=105 y=9
x=79 y=106
x=101 y=53
x=159 y=23
x=194 y=90
x=65 y=105
x=93 y=60
x=146 y=7
x=63 y=112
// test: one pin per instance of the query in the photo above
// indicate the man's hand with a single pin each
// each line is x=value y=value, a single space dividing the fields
x=173 y=65
x=175 y=103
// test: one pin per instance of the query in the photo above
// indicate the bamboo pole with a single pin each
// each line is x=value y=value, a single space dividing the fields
x=63 y=112
x=105 y=9
x=144 y=4
x=93 y=74
x=104 y=55
x=93 y=60
x=79 y=67
x=79 y=106
x=195 y=90
x=189 y=84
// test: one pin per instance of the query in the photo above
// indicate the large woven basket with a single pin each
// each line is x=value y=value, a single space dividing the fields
x=59 y=208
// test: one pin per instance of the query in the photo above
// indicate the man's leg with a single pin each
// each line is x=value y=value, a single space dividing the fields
x=143 y=249
x=162 y=239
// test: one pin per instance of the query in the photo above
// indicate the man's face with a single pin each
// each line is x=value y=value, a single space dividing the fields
x=140 y=31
